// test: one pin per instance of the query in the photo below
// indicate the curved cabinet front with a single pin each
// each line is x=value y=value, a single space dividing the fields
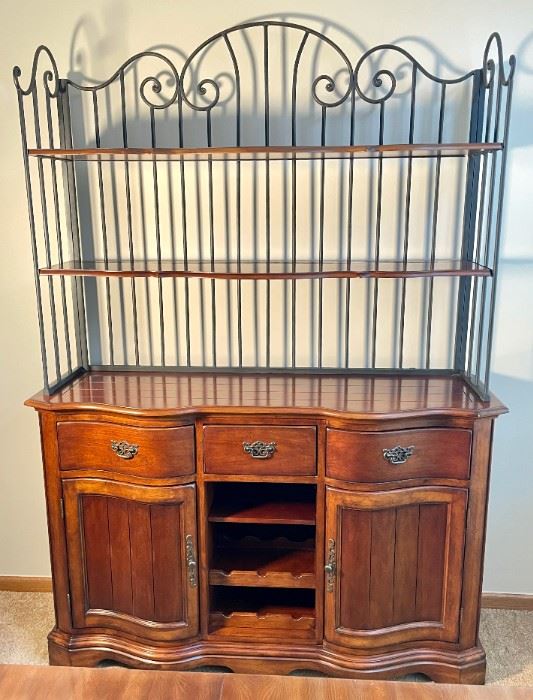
x=395 y=565
x=132 y=557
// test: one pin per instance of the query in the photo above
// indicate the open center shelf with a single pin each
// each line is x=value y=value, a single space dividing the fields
x=268 y=504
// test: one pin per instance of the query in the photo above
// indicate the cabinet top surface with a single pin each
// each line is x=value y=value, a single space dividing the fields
x=161 y=394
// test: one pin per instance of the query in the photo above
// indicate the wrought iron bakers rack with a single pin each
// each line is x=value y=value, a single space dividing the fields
x=291 y=210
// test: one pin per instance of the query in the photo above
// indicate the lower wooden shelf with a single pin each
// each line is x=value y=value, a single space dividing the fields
x=275 y=612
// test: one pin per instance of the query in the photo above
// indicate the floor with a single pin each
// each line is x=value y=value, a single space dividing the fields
x=507 y=635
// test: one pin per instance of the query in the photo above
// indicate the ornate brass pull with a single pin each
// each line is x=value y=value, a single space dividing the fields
x=331 y=566
x=191 y=561
x=124 y=449
x=398 y=455
x=259 y=450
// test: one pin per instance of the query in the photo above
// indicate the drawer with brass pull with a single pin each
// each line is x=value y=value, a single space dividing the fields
x=398 y=454
x=268 y=450
x=126 y=449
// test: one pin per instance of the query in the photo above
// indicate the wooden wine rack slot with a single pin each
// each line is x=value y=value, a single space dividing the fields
x=285 y=569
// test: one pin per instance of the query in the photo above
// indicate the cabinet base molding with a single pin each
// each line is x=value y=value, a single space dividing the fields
x=467 y=666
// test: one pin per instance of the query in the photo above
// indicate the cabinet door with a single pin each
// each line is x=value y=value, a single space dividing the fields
x=131 y=555
x=394 y=563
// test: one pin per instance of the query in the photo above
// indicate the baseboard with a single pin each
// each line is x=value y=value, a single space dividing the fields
x=43 y=584
x=28 y=584
x=507 y=601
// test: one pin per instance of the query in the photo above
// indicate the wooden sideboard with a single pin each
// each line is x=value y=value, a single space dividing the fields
x=268 y=522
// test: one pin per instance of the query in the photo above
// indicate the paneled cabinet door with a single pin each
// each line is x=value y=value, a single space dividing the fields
x=394 y=564
x=132 y=557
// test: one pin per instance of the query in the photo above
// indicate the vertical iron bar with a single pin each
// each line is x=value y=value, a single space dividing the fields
x=158 y=238
x=238 y=183
x=486 y=160
x=498 y=230
x=436 y=195
x=69 y=176
x=407 y=217
x=267 y=187
x=294 y=194
x=33 y=235
x=46 y=231
x=349 y=236
x=103 y=221
x=59 y=237
x=469 y=225
x=129 y=217
x=211 y=241
x=184 y=233
x=378 y=235
x=321 y=235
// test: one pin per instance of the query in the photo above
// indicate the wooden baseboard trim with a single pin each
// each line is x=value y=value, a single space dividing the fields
x=27 y=584
x=507 y=601
x=43 y=584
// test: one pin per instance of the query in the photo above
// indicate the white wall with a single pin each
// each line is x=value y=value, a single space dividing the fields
x=105 y=33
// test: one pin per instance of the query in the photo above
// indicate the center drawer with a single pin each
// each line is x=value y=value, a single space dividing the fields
x=126 y=449
x=398 y=454
x=260 y=449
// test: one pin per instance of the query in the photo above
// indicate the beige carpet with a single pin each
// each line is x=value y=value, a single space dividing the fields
x=507 y=635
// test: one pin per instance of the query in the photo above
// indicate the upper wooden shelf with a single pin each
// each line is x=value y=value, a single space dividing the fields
x=225 y=153
x=261 y=270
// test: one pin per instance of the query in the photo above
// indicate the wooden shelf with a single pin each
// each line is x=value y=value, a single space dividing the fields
x=263 y=567
x=267 y=513
x=223 y=269
x=273 y=612
x=225 y=153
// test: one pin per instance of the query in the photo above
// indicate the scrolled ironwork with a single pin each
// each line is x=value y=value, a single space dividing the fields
x=50 y=77
x=331 y=565
x=192 y=565
x=152 y=81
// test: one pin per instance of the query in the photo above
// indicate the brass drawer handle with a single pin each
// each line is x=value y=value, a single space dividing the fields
x=259 y=450
x=331 y=566
x=191 y=561
x=124 y=449
x=398 y=454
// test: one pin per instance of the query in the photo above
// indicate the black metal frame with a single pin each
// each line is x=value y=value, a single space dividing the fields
x=343 y=94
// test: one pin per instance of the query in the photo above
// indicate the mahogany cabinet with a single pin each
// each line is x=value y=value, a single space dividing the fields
x=337 y=538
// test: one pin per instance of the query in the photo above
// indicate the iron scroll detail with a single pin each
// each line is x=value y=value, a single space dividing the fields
x=123 y=449
x=259 y=449
x=398 y=454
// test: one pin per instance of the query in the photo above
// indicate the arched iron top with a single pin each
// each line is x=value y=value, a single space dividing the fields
x=53 y=84
x=50 y=77
x=489 y=65
x=328 y=82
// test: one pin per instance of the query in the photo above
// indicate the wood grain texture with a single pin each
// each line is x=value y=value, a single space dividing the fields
x=161 y=452
x=295 y=450
x=36 y=682
x=361 y=611
x=126 y=563
x=379 y=398
x=437 y=452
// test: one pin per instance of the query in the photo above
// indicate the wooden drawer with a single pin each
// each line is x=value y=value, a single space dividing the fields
x=229 y=449
x=156 y=452
x=435 y=452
